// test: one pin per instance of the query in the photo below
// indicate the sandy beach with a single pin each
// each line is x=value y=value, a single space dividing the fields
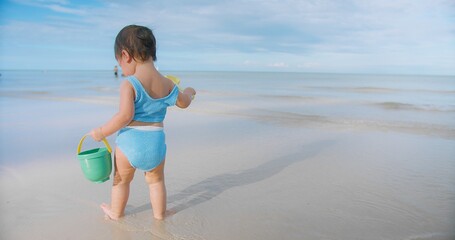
x=237 y=168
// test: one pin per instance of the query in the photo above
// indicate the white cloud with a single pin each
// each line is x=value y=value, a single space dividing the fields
x=41 y=2
x=278 y=65
x=320 y=35
x=61 y=9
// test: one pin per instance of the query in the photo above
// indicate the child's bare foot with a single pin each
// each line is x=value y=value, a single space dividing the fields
x=108 y=213
x=168 y=213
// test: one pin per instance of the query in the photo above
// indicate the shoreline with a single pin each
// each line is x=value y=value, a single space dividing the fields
x=287 y=118
x=236 y=71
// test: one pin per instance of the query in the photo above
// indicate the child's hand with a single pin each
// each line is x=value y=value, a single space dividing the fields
x=97 y=134
x=184 y=99
x=190 y=91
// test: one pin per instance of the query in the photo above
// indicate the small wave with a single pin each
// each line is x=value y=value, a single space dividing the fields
x=406 y=106
x=433 y=236
x=396 y=90
x=104 y=100
x=285 y=97
x=39 y=92
x=356 y=89
x=380 y=90
x=303 y=99
x=374 y=90
x=103 y=89
x=303 y=120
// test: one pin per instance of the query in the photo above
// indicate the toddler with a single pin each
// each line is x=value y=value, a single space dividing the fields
x=145 y=96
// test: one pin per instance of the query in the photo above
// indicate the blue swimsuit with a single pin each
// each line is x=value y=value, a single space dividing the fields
x=144 y=146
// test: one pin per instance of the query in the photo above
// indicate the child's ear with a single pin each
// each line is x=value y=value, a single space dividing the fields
x=126 y=56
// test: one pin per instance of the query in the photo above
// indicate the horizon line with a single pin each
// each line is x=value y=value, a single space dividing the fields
x=250 y=71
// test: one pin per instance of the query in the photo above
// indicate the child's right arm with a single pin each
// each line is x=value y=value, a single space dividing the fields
x=122 y=117
x=184 y=99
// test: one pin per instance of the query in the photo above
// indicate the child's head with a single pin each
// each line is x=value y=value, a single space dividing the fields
x=138 y=41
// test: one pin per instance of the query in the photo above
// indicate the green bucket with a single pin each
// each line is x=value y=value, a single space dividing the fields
x=96 y=164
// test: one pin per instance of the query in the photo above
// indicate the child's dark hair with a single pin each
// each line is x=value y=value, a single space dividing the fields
x=138 y=41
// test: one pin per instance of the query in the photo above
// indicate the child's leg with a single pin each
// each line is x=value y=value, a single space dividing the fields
x=155 y=180
x=123 y=175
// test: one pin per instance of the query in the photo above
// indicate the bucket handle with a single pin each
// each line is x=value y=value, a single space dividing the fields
x=83 y=138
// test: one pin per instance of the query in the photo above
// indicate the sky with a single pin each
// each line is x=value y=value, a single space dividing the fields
x=344 y=36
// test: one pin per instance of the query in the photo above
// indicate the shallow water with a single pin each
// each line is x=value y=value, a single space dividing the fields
x=419 y=104
x=319 y=157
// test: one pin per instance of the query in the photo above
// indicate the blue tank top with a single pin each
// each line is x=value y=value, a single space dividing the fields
x=148 y=109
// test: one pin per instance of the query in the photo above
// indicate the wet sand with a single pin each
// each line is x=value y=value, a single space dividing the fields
x=231 y=173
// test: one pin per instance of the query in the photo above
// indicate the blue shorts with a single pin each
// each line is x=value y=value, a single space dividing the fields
x=143 y=146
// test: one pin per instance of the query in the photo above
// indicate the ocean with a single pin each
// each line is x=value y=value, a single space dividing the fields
x=406 y=103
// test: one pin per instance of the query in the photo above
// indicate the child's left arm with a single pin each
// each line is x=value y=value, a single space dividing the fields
x=122 y=117
x=186 y=97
